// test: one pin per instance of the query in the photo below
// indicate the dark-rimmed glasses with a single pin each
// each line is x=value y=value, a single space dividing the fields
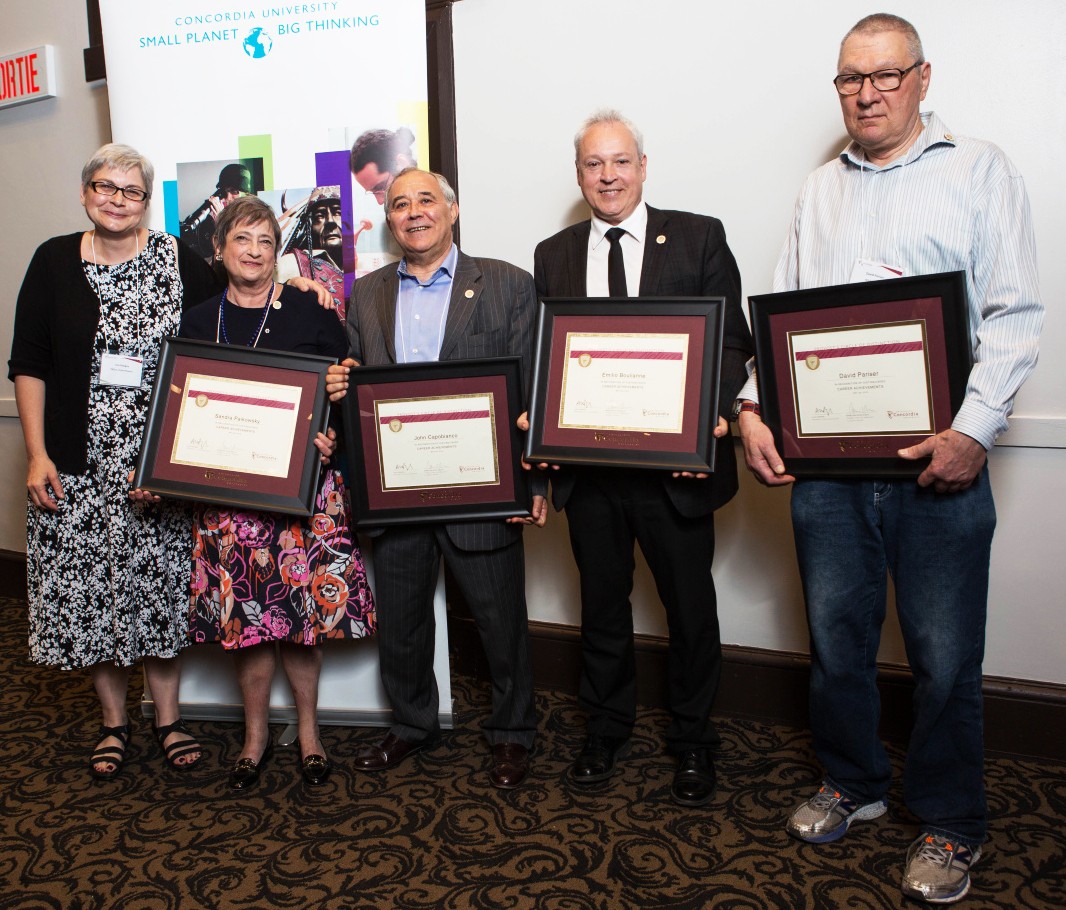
x=133 y=193
x=882 y=80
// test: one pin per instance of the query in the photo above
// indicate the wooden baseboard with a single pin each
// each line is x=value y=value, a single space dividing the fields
x=1021 y=718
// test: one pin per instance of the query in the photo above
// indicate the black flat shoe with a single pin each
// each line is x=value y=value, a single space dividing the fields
x=315 y=769
x=112 y=755
x=246 y=772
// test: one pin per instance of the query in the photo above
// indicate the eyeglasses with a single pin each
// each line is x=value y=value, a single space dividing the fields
x=133 y=193
x=882 y=80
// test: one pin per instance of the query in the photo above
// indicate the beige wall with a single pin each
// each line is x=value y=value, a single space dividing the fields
x=43 y=147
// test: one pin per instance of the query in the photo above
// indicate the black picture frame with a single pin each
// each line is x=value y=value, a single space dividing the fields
x=291 y=488
x=377 y=499
x=690 y=445
x=936 y=303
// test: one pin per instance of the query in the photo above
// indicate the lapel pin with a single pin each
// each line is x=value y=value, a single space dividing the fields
x=469 y=294
x=661 y=238
x=277 y=304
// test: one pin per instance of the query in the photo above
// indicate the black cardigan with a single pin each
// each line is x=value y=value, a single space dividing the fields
x=56 y=320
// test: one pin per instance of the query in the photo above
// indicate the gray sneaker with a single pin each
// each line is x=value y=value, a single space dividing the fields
x=938 y=869
x=828 y=814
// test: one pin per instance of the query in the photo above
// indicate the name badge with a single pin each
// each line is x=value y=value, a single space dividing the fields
x=868 y=270
x=121 y=370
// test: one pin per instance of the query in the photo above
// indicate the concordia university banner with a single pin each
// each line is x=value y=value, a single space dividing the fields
x=250 y=96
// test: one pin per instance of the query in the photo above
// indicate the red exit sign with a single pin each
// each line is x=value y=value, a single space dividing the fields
x=27 y=76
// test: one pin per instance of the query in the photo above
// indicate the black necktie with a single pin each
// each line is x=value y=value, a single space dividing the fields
x=616 y=265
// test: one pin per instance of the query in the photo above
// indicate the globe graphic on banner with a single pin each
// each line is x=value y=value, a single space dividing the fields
x=258 y=43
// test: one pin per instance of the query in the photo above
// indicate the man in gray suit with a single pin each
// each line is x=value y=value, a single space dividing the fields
x=629 y=248
x=440 y=304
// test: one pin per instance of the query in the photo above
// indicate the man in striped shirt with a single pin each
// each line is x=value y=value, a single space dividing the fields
x=908 y=197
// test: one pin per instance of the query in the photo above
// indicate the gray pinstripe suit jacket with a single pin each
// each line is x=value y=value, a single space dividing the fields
x=495 y=320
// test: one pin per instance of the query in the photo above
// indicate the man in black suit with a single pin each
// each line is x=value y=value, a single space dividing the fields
x=440 y=304
x=631 y=249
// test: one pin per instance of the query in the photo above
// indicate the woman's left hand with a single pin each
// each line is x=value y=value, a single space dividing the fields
x=325 y=299
x=326 y=443
x=139 y=495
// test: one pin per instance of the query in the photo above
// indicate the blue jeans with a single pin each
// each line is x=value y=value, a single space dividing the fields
x=849 y=535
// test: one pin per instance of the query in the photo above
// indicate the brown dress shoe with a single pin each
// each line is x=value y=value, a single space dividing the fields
x=510 y=765
x=388 y=753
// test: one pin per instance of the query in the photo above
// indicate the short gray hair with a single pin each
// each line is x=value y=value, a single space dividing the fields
x=445 y=186
x=886 y=22
x=608 y=115
x=120 y=158
x=248 y=210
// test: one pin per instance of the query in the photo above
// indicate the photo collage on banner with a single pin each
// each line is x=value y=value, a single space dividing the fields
x=279 y=100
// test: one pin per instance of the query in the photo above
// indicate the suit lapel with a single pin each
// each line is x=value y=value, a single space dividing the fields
x=655 y=253
x=577 y=256
x=466 y=292
x=386 y=300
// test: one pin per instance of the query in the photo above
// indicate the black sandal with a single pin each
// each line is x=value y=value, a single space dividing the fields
x=112 y=755
x=179 y=748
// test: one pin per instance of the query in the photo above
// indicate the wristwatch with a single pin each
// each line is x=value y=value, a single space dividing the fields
x=744 y=404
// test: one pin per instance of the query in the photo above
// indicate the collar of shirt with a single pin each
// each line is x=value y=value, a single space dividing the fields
x=445 y=268
x=933 y=133
x=636 y=225
x=422 y=311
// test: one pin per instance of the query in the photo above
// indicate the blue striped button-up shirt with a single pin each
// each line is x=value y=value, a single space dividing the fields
x=950 y=203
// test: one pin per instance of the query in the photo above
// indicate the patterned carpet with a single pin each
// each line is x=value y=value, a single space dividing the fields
x=434 y=835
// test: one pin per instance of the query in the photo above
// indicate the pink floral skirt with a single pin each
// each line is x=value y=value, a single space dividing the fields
x=263 y=576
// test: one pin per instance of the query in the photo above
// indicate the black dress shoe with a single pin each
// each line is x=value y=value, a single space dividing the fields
x=388 y=753
x=695 y=779
x=510 y=765
x=315 y=769
x=246 y=772
x=597 y=759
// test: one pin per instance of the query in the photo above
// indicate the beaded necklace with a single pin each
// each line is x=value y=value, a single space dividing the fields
x=220 y=334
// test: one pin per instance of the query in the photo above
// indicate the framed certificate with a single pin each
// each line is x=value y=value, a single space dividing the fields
x=234 y=426
x=435 y=441
x=627 y=383
x=850 y=374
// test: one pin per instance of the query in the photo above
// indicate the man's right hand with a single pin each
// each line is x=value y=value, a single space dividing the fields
x=40 y=475
x=760 y=451
x=337 y=378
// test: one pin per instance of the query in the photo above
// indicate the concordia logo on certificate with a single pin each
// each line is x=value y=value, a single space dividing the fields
x=873 y=380
x=236 y=425
x=440 y=441
x=624 y=381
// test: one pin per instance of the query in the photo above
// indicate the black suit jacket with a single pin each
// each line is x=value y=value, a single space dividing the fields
x=692 y=260
x=490 y=314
